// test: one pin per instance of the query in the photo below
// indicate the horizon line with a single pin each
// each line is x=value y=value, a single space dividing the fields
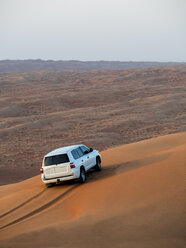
x=102 y=60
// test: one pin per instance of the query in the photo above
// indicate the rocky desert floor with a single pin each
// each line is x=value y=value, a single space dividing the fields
x=40 y=111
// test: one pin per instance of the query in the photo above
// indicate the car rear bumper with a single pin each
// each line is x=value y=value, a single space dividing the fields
x=58 y=179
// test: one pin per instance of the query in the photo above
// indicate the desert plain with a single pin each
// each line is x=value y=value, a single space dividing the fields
x=135 y=117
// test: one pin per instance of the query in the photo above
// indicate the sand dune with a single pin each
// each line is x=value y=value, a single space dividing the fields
x=137 y=200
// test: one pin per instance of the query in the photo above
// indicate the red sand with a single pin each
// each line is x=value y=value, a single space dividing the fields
x=137 y=200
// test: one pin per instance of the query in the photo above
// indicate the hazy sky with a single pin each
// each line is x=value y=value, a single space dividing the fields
x=137 y=30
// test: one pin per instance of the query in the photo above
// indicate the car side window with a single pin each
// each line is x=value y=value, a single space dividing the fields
x=84 y=149
x=75 y=154
x=79 y=152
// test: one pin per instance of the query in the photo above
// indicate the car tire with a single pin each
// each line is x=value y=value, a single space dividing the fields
x=82 y=177
x=98 y=164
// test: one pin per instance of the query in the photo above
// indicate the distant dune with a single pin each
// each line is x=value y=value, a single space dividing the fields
x=137 y=200
x=63 y=65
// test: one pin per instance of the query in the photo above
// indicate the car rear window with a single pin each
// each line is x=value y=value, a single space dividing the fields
x=57 y=159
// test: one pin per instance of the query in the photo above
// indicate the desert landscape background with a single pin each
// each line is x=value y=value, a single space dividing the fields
x=43 y=110
x=29 y=65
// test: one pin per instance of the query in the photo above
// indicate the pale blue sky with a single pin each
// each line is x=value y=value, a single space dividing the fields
x=125 y=30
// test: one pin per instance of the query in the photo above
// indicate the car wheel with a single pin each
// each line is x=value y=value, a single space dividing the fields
x=98 y=164
x=82 y=177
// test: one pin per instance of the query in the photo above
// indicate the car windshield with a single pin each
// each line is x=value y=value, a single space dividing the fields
x=57 y=159
x=84 y=149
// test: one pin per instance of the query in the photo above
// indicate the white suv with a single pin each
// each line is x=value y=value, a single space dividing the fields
x=71 y=162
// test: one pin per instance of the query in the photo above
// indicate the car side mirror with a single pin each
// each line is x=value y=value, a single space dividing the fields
x=90 y=150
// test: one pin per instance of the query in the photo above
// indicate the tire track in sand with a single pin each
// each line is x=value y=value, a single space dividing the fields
x=22 y=204
x=38 y=210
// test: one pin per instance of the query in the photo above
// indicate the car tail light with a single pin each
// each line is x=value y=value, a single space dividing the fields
x=72 y=165
x=41 y=170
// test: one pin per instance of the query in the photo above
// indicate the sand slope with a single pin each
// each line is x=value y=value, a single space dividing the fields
x=137 y=200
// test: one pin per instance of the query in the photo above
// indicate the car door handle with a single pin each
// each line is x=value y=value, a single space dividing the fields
x=82 y=160
x=87 y=157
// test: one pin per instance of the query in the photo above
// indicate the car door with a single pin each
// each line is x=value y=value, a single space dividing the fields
x=49 y=167
x=62 y=165
x=83 y=158
x=92 y=158
x=49 y=171
x=87 y=157
x=77 y=158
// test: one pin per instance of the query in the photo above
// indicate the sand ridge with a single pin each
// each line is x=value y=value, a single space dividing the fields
x=137 y=200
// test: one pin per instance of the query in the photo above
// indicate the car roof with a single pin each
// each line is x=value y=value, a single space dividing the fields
x=62 y=150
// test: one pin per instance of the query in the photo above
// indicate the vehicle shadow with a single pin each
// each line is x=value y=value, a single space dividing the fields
x=111 y=170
